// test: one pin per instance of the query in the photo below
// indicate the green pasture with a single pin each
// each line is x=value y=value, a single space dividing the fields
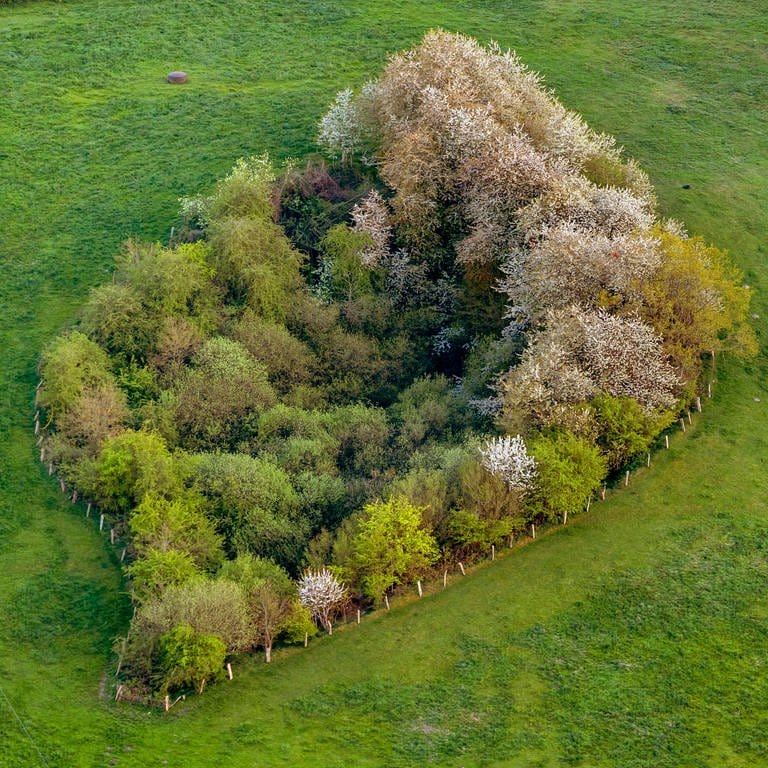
x=635 y=636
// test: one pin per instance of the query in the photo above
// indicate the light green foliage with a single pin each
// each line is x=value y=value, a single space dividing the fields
x=245 y=191
x=487 y=510
x=624 y=429
x=289 y=361
x=190 y=658
x=269 y=594
x=158 y=569
x=569 y=470
x=115 y=317
x=343 y=275
x=151 y=284
x=213 y=607
x=254 y=505
x=252 y=256
x=469 y=535
x=170 y=281
x=134 y=464
x=428 y=490
x=69 y=365
x=391 y=546
x=218 y=399
x=299 y=625
x=160 y=524
x=335 y=550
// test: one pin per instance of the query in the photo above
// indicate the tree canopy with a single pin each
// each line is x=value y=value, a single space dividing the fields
x=462 y=324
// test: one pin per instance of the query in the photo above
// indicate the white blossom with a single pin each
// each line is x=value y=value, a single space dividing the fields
x=321 y=593
x=508 y=458
x=372 y=217
x=580 y=353
x=624 y=357
x=340 y=131
x=573 y=265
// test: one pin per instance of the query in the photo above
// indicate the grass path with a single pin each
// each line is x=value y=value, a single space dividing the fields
x=635 y=637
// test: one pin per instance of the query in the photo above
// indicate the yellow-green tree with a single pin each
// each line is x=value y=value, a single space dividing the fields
x=391 y=546
x=697 y=303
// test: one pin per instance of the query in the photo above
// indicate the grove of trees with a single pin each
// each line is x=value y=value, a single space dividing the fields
x=339 y=377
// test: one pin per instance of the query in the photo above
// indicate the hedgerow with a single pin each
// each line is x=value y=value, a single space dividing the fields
x=458 y=327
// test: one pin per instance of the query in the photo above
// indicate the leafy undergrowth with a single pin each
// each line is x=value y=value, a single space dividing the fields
x=95 y=147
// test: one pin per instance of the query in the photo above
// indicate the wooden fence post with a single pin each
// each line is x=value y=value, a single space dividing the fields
x=418 y=586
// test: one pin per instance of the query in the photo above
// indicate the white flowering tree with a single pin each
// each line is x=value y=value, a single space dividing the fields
x=624 y=357
x=579 y=354
x=371 y=216
x=321 y=593
x=340 y=127
x=507 y=457
x=574 y=265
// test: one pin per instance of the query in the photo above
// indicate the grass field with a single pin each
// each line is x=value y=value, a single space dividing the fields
x=637 y=636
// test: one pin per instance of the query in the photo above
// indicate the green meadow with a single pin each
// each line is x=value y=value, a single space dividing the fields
x=635 y=636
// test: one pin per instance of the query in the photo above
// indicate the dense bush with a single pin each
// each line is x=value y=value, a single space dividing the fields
x=406 y=356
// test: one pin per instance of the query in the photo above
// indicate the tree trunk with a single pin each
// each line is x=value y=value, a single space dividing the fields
x=268 y=652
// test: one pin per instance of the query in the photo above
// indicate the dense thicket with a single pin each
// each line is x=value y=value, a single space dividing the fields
x=458 y=328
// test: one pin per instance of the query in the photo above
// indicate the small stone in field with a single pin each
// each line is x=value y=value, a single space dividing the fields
x=177 y=77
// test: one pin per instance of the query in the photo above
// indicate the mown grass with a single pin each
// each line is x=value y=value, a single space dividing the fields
x=634 y=637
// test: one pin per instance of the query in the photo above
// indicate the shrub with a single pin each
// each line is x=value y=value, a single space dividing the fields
x=570 y=470
x=391 y=546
